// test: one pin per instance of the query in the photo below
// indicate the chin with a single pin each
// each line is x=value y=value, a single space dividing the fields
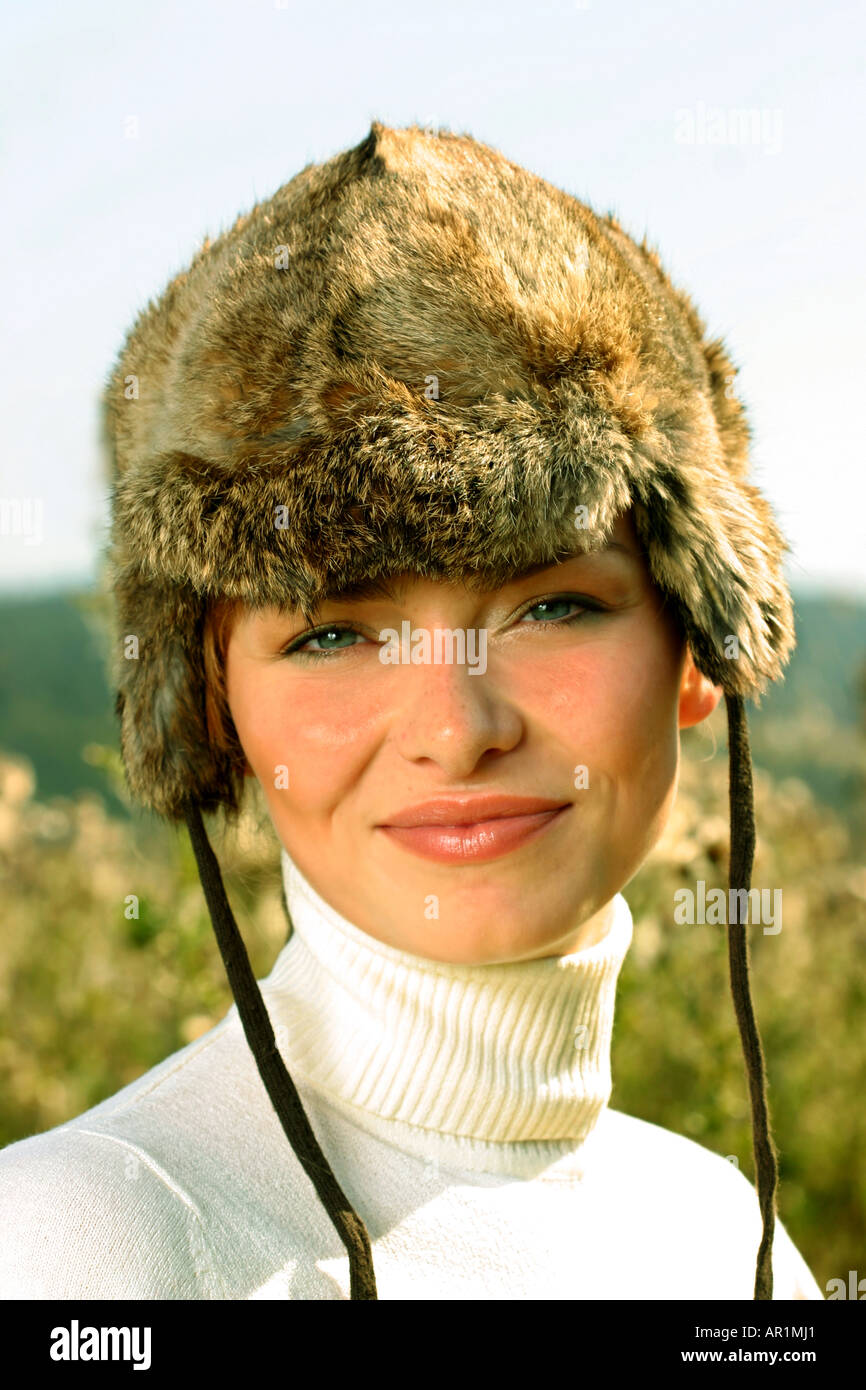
x=488 y=948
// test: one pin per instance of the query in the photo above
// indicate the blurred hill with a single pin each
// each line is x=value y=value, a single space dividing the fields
x=56 y=708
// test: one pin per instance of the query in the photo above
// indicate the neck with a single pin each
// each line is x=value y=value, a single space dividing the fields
x=460 y=1059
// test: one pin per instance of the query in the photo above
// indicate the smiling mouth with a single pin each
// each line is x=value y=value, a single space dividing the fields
x=476 y=841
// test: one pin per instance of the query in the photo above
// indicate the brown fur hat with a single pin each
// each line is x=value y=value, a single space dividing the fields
x=416 y=356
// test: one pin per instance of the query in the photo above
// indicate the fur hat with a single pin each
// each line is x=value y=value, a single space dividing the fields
x=418 y=356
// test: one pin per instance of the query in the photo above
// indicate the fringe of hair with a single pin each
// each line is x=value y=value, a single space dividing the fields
x=219 y=618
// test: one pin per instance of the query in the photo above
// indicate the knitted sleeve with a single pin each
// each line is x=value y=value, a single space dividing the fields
x=86 y=1215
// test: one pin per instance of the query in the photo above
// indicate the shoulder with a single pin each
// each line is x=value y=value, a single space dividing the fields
x=699 y=1197
x=98 y=1207
x=88 y=1215
x=164 y=1190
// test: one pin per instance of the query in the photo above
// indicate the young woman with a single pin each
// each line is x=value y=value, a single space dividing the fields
x=430 y=514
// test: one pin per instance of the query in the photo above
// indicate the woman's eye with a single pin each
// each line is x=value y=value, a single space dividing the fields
x=552 y=610
x=550 y=605
x=322 y=636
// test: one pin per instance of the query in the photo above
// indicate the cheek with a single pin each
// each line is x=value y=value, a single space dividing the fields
x=642 y=742
x=614 y=704
x=321 y=730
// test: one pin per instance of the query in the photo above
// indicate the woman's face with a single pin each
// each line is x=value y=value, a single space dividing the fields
x=578 y=700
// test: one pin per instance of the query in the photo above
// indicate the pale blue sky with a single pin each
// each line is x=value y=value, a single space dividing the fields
x=231 y=99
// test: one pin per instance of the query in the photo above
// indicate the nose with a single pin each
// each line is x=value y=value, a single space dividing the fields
x=449 y=716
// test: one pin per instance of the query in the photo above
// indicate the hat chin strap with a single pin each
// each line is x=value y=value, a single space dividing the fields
x=287 y=1103
x=742 y=813
x=278 y=1084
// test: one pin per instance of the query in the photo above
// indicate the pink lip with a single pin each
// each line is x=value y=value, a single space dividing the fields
x=500 y=831
x=470 y=810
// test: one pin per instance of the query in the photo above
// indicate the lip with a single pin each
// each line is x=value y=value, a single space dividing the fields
x=498 y=826
x=469 y=810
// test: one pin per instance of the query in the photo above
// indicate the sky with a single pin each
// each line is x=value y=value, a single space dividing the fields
x=129 y=133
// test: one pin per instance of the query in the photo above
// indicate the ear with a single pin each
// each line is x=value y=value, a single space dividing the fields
x=698 y=696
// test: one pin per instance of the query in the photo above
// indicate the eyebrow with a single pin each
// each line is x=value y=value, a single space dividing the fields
x=386 y=588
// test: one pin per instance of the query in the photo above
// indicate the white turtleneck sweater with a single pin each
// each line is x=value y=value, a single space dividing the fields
x=464 y=1111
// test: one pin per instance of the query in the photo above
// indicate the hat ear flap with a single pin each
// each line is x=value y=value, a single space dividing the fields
x=714 y=547
x=158 y=671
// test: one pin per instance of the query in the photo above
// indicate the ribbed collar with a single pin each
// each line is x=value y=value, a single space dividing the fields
x=503 y=1068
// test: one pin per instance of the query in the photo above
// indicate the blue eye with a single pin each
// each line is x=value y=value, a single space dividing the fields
x=565 y=601
x=302 y=648
x=322 y=633
x=551 y=603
